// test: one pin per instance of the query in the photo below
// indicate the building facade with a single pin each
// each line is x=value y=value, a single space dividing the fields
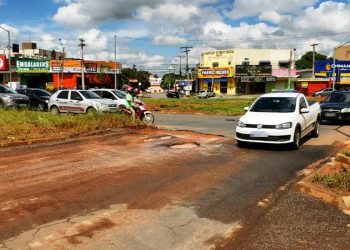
x=36 y=68
x=246 y=71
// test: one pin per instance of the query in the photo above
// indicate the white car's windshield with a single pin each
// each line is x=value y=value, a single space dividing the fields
x=89 y=94
x=275 y=104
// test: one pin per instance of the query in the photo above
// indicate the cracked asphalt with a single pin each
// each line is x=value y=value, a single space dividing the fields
x=152 y=189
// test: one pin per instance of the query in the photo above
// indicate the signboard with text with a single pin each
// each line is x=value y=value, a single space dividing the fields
x=253 y=70
x=215 y=73
x=33 y=66
x=3 y=63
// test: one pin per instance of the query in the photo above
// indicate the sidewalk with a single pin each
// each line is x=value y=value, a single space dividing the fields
x=298 y=221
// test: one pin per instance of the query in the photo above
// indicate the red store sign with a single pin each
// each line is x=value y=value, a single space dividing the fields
x=3 y=63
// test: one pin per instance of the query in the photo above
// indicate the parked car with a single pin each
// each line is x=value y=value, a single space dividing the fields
x=323 y=92
x=279 y=118
x=206 y=94
x=38 y=98
x=79 y=101
x=10 y=98
x=336 y=107
x=118 y=96
x=172 y=94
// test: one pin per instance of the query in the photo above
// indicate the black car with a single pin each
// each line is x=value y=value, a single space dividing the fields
x=336 y=107
x=172 y=94
x=38 y=98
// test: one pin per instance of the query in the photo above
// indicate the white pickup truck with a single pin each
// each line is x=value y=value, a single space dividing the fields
x=279 y=118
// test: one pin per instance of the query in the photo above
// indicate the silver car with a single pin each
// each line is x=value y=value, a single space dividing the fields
x=206 y=94
x=79 y=101
x=10 y=98
x=116 y=95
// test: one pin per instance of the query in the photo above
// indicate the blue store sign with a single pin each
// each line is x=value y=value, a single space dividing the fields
x=326 y=66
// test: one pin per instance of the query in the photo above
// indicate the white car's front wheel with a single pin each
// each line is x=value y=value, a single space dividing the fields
x=296 y=140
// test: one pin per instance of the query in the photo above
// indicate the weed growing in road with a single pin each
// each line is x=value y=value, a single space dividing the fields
x=339 y=180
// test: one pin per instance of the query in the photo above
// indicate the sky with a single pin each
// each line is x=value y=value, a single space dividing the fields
x=150 y=33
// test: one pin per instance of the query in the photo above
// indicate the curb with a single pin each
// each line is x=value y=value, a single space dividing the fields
x=321 y=192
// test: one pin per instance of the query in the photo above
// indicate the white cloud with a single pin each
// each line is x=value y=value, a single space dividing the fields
x=72 y=16
x=328 y=16
x=274 y=17
x=244 y=8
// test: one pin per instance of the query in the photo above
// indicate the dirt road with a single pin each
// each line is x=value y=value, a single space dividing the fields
x=148 y=189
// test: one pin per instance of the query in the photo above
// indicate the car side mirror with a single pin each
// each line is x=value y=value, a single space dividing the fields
x=304 y=111
x=246 y=108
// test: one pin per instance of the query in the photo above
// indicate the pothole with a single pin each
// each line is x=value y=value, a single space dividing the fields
x=185 y=145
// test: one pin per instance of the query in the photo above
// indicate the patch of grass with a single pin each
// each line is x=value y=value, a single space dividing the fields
x=17 y=125
x=210 y=106
x=346 y=153
x=339 y=180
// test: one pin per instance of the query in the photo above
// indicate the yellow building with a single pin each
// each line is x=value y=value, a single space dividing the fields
x=245 y=71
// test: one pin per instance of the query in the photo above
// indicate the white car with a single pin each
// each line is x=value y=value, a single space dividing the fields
x=118 y=96
x=279 y=118
x=206 y=94
x=79 y=101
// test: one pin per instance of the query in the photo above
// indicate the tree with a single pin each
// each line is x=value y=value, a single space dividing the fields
x=169 y=80
x=305 y=62
x=132 y=73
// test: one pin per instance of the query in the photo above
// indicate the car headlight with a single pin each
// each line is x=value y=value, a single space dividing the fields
x=285 y=125
x=7 y=98
x=345 y=110
x=241 y=124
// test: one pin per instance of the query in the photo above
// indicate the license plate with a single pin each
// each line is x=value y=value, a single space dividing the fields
x=330 y=114
x=260 y=134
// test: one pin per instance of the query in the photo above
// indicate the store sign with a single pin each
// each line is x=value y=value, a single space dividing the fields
x=327 y=66
x=91 y=67
x=33 y=66
x=305 y=85
x=253 y=70
x=3 y=63
x=215 y=73
x=284 y=72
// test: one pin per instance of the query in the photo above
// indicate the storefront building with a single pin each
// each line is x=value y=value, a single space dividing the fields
x=34 y=73
x=220 y=80
x=309 y=85
x=96 y=74
x=246 y=71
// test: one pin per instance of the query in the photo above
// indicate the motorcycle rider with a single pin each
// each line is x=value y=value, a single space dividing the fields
x=130 y=102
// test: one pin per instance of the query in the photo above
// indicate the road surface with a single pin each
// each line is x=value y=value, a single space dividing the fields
x=144 y=189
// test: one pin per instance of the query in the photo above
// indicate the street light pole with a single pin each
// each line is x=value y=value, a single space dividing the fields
x=313 y=59
x=115 y=62
x=9 y=51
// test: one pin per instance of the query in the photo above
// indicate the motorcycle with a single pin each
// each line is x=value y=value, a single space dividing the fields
x=141 y=112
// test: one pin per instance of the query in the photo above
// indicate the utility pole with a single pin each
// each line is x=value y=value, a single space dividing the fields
x=180 y=70
x=186 y=49
x=62 y=65
x=82 y=45
x=115 y=62
x=9 y=52
x=313 y=59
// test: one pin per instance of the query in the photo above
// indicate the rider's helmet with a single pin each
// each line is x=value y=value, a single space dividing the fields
x=129 y=89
